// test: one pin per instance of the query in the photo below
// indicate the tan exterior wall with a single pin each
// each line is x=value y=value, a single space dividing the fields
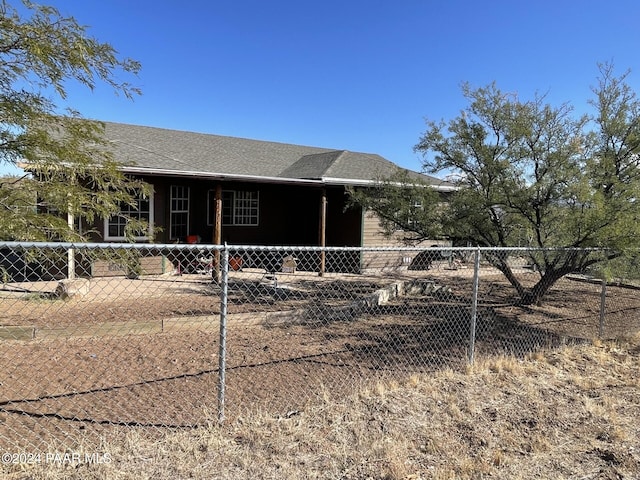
x=156 y=265
x=373 y=236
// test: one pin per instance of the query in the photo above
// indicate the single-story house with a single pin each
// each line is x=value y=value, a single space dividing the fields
x=215 y=189
x=271 y=193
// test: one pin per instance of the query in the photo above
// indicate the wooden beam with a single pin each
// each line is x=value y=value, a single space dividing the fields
x=217 y=232
x=322 y=241
x=217 y=222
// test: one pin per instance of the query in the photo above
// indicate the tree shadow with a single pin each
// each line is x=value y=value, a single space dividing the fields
x=436 y=331
x=268 y=289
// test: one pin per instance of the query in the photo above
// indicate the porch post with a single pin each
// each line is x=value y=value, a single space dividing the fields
x=71 y=253
x=217 y=223
x=217 y=231
x=323 y=230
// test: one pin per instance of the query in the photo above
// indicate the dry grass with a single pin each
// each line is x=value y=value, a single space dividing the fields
x=569 y=413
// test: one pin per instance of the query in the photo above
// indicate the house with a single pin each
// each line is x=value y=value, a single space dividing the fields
x=214 y=189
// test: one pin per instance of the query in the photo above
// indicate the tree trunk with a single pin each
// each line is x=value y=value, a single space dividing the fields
x=535 y=294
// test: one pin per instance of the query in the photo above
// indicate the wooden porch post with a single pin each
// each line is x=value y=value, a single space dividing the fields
x=71 y=253
x=217 y=231
x=323 y=230
x=217 y=223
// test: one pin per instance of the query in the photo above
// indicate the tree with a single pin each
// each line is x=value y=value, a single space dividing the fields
x=405 y=205
x=72 y=170
x=531 y=169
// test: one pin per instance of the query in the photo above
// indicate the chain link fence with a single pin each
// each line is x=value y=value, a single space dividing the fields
x=99 y=339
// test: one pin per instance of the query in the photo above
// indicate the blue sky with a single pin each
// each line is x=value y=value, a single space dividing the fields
x=347 y=74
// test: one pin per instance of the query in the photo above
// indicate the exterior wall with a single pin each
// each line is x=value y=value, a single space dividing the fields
x=373 y=236
x=155 y=265
x=288 y=214
x=344 y=225
x=160 y=212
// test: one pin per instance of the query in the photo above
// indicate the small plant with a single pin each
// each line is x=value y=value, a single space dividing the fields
x=4 y=276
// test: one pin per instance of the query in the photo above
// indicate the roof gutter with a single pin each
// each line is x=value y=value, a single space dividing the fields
x=218 y=176
x=259 y=179
x=369 y=183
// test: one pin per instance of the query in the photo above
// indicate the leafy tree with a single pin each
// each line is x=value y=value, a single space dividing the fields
x=72 y=169
x=528 y=169
x=406 y=206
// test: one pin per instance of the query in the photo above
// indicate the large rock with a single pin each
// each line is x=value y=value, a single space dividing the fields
x=70 y=288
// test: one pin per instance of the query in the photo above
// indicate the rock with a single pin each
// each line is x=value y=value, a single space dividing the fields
x=70 y=288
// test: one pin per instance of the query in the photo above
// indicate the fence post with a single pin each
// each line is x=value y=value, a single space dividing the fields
x=222 y=353
x=603 y=299
x=474 y=306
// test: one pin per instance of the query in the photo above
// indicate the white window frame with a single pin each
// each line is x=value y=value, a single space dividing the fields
x=183 y=198
x=138 y=238
x=415 y=207
x=237 y=207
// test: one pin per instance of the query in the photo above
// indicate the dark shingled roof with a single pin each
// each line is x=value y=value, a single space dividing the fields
x=175 y=152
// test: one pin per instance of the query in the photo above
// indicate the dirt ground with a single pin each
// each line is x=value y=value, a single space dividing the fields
x=81 y=388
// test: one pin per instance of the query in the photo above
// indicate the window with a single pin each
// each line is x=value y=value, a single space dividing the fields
x=45 y=208
x=245 y=209
x=238 y=207
x=142 y=209
x=415 y=210
x=179 y=217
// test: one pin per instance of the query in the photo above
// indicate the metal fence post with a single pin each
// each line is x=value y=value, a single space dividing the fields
x=474 y=306
x=222 y=354
x=603 y=299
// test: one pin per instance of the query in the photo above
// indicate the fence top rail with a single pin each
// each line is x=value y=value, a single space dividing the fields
x=285 y=248
x=108 y=246
x=434 y=248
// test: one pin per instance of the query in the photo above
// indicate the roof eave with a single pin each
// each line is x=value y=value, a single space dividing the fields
x=354 y=182
x=217 y=176
x=369 y=183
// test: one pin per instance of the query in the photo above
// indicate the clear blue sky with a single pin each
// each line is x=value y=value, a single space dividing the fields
x=347 y=74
